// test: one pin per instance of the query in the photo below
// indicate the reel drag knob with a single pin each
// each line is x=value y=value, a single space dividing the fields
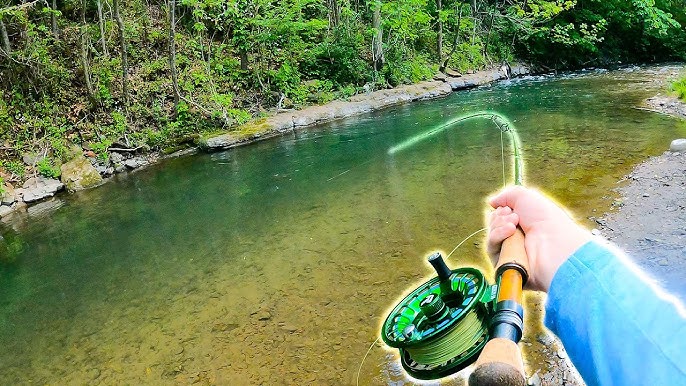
x=451 y=296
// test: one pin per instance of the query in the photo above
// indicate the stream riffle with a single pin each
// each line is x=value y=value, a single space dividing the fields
x=276 y=263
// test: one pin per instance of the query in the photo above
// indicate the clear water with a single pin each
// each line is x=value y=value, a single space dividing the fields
x=276 y=263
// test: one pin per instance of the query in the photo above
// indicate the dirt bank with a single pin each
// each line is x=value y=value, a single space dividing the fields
x=39 y=188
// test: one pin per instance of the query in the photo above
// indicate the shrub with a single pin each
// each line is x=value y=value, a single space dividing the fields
x=679 y=88
x=46 y=168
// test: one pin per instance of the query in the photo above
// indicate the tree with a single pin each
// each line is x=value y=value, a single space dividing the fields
x=377 y=37
x=122 y=52
x=172 y=53
x=101 y=25
x=85 y=43
x=439 y=33
x=6 y=46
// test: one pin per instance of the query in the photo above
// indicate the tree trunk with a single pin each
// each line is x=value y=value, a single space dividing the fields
x=6 y=47
x=101 y=23
x=456 y=42
x=244 y=59
x=334 y=13
x=172 y=52
x=475 y=21
x=122 y=47
x=439 y=37
x=84 y=53
x=53 y=17
x=377 y=39
x=488 y=33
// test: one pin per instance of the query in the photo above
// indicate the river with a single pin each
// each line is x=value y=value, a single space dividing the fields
x=275 y=263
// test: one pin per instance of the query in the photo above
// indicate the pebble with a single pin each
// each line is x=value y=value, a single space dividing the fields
x=545 y=339
x=263 y=315
x=663 y=262
x=535 y=380
x=94 y=373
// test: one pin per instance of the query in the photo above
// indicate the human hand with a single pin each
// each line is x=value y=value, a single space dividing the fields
x=551 y=236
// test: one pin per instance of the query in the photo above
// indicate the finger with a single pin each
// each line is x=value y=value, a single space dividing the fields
x=498 y=212
x=507 y=197
x=499 y=234
x=512 y=218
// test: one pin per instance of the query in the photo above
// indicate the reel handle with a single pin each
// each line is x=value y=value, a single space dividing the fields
x=500 y=362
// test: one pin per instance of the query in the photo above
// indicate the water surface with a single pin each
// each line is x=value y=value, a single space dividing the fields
x=276 y=263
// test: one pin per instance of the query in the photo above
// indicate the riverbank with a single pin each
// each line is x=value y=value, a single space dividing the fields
x=79 y=174
x=649 y=218
x=648 y=222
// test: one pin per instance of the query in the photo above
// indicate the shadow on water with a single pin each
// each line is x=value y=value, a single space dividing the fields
x=276 y=263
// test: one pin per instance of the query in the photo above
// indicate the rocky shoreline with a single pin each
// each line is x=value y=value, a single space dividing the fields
x=649 y=223
x=85 y=170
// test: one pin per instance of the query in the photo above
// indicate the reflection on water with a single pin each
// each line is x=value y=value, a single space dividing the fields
x=276 y=263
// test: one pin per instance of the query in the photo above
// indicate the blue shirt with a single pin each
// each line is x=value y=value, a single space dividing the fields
x=617 y=327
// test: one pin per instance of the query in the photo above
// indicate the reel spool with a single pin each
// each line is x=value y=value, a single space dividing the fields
x=441 y=326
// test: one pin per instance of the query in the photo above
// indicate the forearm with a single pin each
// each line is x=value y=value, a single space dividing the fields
x=617 y=328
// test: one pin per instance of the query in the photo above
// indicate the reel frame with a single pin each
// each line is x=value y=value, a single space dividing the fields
x=478 y=299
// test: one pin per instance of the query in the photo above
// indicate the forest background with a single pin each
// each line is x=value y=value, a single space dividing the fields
x=97 y=75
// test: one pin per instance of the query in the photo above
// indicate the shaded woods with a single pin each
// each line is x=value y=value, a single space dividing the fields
x=141 y=74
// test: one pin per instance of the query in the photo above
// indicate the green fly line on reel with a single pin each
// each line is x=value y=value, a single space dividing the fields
x=441 y=326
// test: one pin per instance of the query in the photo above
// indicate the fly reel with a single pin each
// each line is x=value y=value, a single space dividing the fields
x=441 y=327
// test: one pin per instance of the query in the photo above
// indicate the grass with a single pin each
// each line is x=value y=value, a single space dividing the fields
x=679 y=87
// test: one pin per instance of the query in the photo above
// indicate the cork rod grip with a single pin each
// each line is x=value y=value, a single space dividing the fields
x=513 y=251
x=500 y=362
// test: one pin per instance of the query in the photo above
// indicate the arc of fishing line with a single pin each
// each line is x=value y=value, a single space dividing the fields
x=505 y=128
x=501 y=123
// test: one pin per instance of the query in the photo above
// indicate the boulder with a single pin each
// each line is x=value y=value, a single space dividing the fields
x=452 y=73
x=216 y=142
x=32 y=158
x=440 y=76
x=116 y=157
x=136 y=162
x=9 y=197
x=5 y=210
x=79 y=174
x=36 y=188
x=678 y=145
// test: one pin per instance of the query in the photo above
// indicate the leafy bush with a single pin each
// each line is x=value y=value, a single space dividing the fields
x=679 y=88
x=15 y=167
x=46 y=168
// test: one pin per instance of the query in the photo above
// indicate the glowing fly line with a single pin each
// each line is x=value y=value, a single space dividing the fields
x=501 y=123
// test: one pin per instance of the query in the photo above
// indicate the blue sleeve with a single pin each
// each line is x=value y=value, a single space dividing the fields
x=616 y=326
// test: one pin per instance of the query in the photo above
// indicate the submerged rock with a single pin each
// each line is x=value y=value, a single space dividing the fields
x=40 y=187
x=79 y=174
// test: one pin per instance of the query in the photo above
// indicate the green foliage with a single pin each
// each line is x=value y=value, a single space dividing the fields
x=240 y=59
x=47 y=168
x=636 y=30
x=679 y=87
x=408 y=70
x=15 y=167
